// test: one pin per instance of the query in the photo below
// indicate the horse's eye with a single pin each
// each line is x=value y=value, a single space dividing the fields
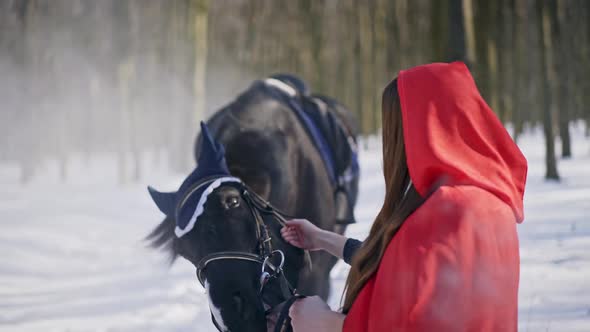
x=232 y=202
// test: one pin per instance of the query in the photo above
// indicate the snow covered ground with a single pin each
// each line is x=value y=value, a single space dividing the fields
x=72 y=256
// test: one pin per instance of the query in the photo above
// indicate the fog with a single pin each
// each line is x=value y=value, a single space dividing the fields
x=85 y=80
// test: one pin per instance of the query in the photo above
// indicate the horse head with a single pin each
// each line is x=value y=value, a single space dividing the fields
x=232 y=238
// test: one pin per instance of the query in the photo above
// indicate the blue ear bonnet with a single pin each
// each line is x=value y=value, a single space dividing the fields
x=187 y=203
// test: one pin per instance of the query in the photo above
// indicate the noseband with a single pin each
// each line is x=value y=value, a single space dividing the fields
x=266 y=256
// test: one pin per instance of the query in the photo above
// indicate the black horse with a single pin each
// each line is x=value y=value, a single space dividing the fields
x=269 y=156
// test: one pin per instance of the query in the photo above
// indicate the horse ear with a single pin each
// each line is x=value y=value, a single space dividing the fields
x=212 y=156
x=166 y=202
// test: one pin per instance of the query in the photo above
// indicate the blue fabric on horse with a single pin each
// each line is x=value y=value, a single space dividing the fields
x=334 y=142
x=310 y=126
x=187 y=203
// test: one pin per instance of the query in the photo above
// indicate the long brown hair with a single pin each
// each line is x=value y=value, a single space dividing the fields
x=396 y=207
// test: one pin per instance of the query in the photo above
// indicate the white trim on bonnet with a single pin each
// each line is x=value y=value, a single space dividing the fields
x=200 y=205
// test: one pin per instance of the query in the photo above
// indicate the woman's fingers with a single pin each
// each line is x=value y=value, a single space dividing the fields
x=295 y=222
x=288 y=235
x=288 y=229
x=292 y=238
x=286 y=232
x=290 y=232
x=295 y=233
x=294 y=310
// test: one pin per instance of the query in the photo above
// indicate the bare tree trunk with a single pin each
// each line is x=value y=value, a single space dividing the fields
x=504 y=84
x=366 y=41
x=457 y=48
x=486 y=62
x=402 y=33
x=23 y=58
x=380 y=76
x=392 y=45
x=358 y=68
x=181 y=114
x=493 y=58
x=125 y=72
x=518 y=43
x=560 y=64
x=469 y=31
x=133 y=130
x=200 y=10
x=586 y=82
x=312 y=13
x=544 y=27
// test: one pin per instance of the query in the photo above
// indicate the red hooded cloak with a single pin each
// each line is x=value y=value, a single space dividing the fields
x=454 y=263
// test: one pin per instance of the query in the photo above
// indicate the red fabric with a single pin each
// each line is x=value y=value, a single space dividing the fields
x=454 y=264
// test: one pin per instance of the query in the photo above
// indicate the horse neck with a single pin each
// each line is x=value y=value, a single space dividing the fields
x=269 y=148
x=262 y=152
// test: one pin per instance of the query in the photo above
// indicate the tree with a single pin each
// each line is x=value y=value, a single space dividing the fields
x=548 y=77
x=561 y=58
x=518 y=59
x=457 y=47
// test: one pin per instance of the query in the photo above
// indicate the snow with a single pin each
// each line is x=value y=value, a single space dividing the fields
x=72 y=256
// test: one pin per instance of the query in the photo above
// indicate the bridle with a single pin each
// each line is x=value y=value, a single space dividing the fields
x=266 y=256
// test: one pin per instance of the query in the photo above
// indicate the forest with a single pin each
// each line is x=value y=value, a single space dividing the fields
x=131 y=79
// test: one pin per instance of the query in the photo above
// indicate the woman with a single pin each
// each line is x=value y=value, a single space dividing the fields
x=442 y=254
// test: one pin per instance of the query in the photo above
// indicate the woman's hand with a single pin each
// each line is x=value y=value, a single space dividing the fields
x=312 y=314
x=302 y=234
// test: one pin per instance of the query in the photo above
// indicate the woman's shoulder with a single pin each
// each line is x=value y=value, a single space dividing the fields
x=459 y=209
x=459 y=200
x=451 y=223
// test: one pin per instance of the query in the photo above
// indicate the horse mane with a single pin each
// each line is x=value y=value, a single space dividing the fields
x=163 y=238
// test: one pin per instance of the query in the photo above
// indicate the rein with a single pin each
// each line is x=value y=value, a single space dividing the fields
x=269 y=270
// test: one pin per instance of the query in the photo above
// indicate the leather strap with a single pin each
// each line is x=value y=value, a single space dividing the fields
x=284 y=321
x=223 y=255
